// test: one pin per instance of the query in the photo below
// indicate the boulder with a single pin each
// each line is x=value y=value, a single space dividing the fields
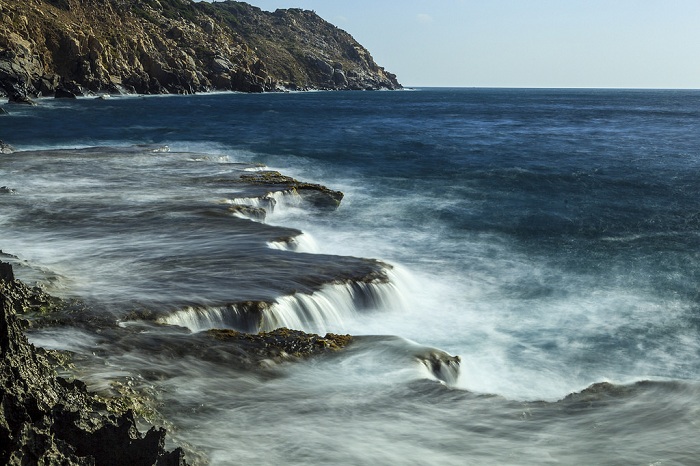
x=70 y=89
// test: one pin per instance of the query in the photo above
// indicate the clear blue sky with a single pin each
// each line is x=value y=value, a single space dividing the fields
x=524 y=43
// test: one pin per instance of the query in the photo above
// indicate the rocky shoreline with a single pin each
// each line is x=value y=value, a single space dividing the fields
x=69 y=48
x=47 y=419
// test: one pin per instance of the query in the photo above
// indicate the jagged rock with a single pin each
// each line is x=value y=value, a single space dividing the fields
x=68 y=90
x=45 y=419
x=283 y=342
x=63 y=93
x=6 y=273
x=21 y=99
x=318 y=195
x=178 y=46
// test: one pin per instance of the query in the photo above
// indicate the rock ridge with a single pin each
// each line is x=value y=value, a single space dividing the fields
x=66 y=48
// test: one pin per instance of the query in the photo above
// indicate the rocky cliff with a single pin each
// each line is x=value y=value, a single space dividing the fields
x=66 y=47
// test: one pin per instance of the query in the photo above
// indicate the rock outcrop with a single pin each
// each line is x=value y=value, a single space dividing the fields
x=45 y=419
x=174 y=46
x=318 y=195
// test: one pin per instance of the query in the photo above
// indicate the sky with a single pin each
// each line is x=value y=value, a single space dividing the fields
x=523 y=43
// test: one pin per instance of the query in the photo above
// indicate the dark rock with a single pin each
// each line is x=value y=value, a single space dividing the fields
x=21 y=99
x=70 y=90
x=3 y=111
x=45 y=419
x=231 y=347
x=282 y=343
x=339 y=78
x=318 y=195
x=62 y=93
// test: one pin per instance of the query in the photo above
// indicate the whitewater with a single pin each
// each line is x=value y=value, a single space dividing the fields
x=548 y=238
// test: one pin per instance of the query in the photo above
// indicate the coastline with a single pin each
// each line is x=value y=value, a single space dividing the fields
x=531 y=319
x=175 y=48
x=47 y=418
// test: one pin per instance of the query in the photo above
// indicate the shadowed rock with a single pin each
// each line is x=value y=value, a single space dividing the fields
x=45 y=419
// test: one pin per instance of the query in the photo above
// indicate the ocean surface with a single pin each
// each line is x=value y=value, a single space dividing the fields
x=549 y=238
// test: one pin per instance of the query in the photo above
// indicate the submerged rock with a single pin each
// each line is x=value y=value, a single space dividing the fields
x=46 y=419
x=21 y=99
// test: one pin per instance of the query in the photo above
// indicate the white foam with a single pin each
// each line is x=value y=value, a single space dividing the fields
x=300 y=243
x=199 y=319
x=272 y=202
x=329 y=309
x=332 y=308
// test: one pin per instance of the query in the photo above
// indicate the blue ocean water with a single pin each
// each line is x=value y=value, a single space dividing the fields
x=550 y=238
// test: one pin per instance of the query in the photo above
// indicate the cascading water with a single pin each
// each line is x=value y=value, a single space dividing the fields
x=300 y=243
x=325 y=310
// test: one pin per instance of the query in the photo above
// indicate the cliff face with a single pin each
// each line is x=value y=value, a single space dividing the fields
x=175 y=46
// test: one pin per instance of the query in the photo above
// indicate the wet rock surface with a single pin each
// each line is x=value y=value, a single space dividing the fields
x=282 y=343
x=46 y=419
x=318 y=195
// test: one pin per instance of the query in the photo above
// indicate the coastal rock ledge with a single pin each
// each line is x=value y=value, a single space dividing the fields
x=75 y=47
x=45 y=419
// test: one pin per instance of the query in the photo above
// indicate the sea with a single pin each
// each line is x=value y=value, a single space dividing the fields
x=549 y=238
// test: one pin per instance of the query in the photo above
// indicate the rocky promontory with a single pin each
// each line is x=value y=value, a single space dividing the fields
x=71 y=47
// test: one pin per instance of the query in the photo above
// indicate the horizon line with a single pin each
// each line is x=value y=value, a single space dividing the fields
x=555 y=87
